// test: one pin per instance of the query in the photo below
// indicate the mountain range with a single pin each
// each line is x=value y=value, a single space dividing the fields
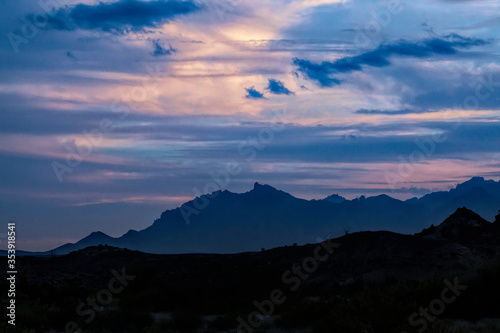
x=368 y=282
x=226 y=222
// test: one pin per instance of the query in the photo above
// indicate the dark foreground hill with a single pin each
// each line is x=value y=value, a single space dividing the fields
x=361 y=282
x=265 y=217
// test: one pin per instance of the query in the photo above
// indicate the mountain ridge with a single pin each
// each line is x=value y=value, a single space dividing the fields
x=368 y=250
x=375 y=273
x=265 y=217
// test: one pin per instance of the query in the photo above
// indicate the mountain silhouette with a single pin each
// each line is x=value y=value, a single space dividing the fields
x=462 y=226
x=226 y=222
x=375 y=274
x=335 y=198
x=462 y=243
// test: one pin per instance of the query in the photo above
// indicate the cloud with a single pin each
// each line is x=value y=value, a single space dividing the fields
x=252 y=93
x=389 y=112
x=121 y=16
x=315 y=72
x=380 y=57
x=476 y=91
x=160 y=50
x=278 y=88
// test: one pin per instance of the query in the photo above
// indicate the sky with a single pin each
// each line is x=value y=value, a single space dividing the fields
x=112 y=112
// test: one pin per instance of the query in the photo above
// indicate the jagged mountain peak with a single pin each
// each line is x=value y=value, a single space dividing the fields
x=335 y=198
x=264 y=190
x=477 y=182
x=462 y=225
x=476 y=179
x=226 y=222
x=464 y=216
x=263 y=187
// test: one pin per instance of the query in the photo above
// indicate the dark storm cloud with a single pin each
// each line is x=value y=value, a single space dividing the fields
x=277 y=87
x=160 y=50
x=252 y=93
x=380 y=57
x=121 y=16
